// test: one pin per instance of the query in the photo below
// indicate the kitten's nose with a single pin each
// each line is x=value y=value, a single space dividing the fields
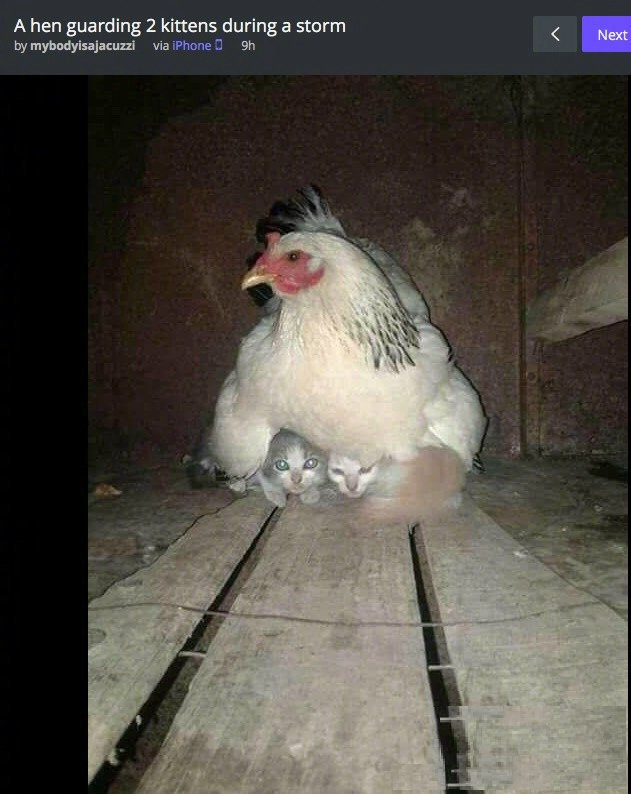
x=296 y=477
x=352 y=483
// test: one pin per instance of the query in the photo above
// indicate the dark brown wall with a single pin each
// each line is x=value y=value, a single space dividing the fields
x=428 y=167
x=582 y=209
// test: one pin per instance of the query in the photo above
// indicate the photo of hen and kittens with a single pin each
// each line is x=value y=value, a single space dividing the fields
x=346 y=357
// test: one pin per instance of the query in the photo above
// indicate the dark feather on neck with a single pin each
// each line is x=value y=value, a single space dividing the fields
x=385 y=332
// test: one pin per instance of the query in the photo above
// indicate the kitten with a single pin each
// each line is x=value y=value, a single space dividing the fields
x=350 y=476
x=423 y=487
x=292 y=466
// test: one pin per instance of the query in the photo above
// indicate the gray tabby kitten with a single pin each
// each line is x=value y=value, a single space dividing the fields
x=292 y=466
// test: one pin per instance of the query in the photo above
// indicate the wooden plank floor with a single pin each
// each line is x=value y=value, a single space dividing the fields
x=540 y=666
x=136 y=628
x=300 y=698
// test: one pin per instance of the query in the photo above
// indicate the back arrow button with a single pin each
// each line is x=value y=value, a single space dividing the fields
x=553 y=34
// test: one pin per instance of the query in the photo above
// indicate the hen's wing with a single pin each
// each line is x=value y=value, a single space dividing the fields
x=240 y=435
x=455 y=417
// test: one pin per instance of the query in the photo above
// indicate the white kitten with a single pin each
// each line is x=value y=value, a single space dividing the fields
x=292 y=466
x=422 y=487
x=350 y=476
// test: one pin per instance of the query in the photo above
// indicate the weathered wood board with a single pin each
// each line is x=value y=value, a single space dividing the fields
x=540 y=666
x=593 y=295
x=136 y=628
x=314 y=704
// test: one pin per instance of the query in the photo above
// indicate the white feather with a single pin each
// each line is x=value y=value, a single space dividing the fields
x=300 y=368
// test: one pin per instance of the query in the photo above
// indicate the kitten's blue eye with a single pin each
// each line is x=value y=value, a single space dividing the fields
x=365 y=470
x=281 y=465
x=310 y=464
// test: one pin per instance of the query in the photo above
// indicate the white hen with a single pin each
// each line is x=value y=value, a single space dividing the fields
x=347 y=358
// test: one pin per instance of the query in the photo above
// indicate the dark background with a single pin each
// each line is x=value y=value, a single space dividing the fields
x=488 y=189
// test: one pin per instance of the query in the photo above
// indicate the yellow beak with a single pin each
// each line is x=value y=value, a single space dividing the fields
x=256 y=276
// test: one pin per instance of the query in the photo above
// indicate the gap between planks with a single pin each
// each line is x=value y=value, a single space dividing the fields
x=322 y=703
x=540 y=671
x=131 y=649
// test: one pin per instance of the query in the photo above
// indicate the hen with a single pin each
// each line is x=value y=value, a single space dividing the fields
x=345 y=355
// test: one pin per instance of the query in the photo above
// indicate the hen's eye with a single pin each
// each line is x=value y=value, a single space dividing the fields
x=293 y=256
x=311 y=463
x=281 y=465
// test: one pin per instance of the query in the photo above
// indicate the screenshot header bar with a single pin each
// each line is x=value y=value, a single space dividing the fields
x=194 y=37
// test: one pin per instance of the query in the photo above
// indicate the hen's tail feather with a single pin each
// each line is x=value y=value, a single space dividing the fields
x=201 y=470
x=200 y=475
x=308 y=211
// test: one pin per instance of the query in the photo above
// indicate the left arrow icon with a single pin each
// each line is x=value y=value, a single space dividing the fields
x=554 y=32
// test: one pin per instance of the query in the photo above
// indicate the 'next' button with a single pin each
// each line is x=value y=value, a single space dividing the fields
x=606 y=34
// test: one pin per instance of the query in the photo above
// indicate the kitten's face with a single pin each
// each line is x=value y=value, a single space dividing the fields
x=297 y=473
x=350 y=476
x=294 y=464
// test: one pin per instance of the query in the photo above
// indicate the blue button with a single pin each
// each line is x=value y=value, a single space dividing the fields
x=606 y=34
